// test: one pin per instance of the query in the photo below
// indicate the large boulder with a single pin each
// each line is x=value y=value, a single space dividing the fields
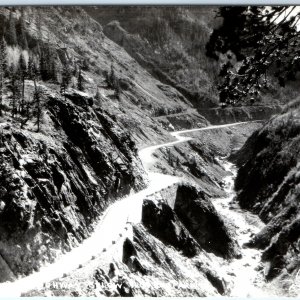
x=204 y=223
x=162 y=222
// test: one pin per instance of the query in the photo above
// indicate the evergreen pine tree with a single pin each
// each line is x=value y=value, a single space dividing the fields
x=31 y=67
x=80 y=84
x=85 y=64
x=37 y=99
x=38 y=106
x=118 y=89
x=53 y=65
x=22 y=32
x=44 y=64
x=53 y=68
x=111 y=77
x=11 y=35
x=113 y=82
x=65 y=78
x=27 y=115
x=2 y=70
x=22 y=68
x=22 y=64
x=48 y=63
x=98 y=95
x=14 y=86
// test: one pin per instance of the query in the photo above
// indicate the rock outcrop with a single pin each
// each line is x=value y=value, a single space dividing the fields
x=56 y=183
x=268 y=184
x=162 y=222
x=193 y=224
x=204 y=223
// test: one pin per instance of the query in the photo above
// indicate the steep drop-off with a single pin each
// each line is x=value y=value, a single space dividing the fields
x=268 y=184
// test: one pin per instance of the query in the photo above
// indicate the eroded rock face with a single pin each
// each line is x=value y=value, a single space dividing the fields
x=55 y=184
x=79 y=98
x=268 y=184
x=5 y=271
x=199 y=216
x=284 y=251
x=215 y=279
x=162 y=222
x=130 y=258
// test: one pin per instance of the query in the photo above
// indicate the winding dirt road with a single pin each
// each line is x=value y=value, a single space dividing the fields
x=111 y=230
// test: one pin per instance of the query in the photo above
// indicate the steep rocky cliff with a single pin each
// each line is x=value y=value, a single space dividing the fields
x=268 y=184
x=137 y=96
x=200 y=217
x=172 y=251
x=163 y=223
x=193 y=224
x=56 y=183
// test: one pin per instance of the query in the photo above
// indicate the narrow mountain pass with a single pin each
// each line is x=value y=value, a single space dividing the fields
x=115 y=226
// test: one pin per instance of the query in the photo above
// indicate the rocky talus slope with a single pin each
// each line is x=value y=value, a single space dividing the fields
x=268 y=184
x=56 y=183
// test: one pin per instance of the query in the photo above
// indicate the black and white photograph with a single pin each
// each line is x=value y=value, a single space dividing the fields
x=150 y=151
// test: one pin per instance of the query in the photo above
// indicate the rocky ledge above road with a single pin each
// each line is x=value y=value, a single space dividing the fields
x=56 y=183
